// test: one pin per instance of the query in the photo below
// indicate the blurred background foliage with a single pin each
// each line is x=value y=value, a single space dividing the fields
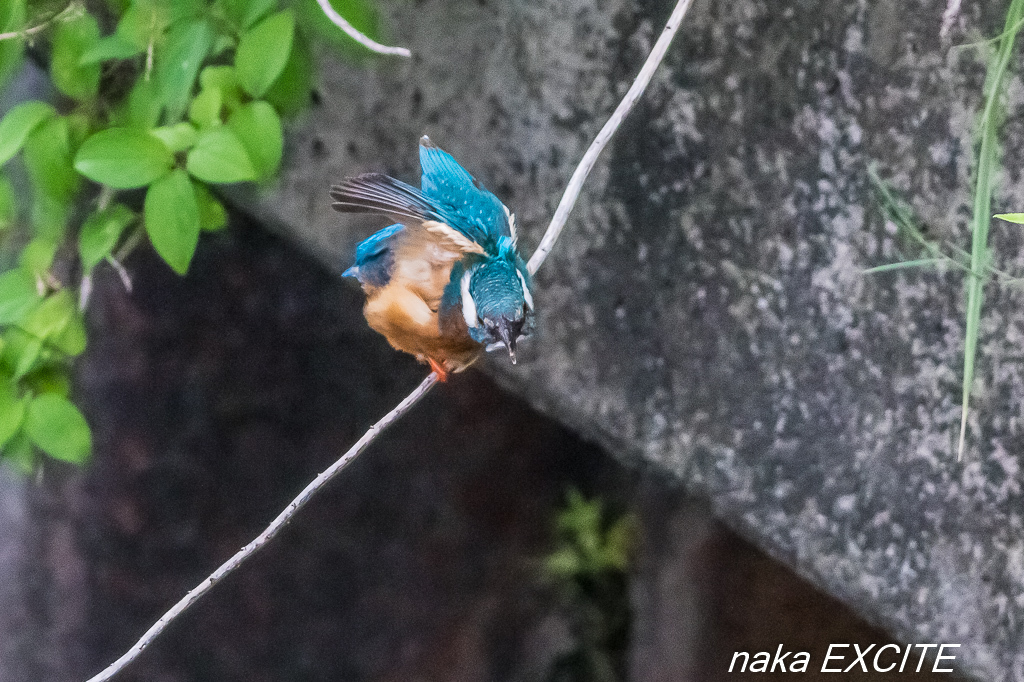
x=590 y=567
x=155 y=104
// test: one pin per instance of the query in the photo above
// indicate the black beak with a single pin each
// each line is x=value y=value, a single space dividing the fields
x=509 y=332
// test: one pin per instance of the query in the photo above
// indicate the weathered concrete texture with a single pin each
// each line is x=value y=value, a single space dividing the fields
x=706 y=309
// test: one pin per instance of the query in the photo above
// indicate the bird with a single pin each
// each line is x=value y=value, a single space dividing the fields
x=445 y=282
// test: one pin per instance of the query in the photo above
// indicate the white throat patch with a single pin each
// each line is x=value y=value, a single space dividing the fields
x=527 y=296
x=468 y=304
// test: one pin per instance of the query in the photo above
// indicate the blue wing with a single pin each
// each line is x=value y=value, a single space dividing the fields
x=450 y=196
x=479 y=214
x=375 y=257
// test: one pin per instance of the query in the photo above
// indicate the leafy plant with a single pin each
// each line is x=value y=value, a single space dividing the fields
x=978 y=266
x=176 y=97
x=988 y=153
x=590 y=565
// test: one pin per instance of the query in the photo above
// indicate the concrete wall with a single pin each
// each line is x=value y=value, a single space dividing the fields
x=705 y=311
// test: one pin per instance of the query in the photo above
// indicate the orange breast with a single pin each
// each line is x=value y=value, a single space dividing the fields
x=405 y=309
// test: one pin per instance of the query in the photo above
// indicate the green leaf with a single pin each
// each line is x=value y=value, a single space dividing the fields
x=37 y=256
x=184 y=9
x=212 y=215
x=619 y=542
x=18 y=295
x=245 y=13
x=178 y=137
x=51 y=317
x=1017 y=218
x=172 y=219
x=47 y=156
x=223 y=78
x=907 y=264
x=123 y=158
x=100 y=234
x=12 y=18
x=18 y=124
x=71 y=40
x=79 y=128
x=985 y=171
x=147 y=20
x=263 y=52
x=50 y=216
x=221 y=44
x=72 y=339
x=118 y=7
x=290 y=93
x=58 y=322
x=178 y=62
x=25 y=350
x=58 y=428
x=205 y=108
x=563 y=563
x=114 y=46
x=143 y=22
x=8 y=203
x=12 y=412
x=20 y=454
x=52 y=378
x=144 y=105
x=219 y=156
x=259 y=129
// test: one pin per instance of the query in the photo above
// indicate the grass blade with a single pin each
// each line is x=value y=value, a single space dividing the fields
x=987 y=159
x=902 y=265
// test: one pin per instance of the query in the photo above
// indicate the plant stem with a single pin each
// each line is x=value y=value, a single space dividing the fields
x=987 y=159
x=268 y=534
x=572 y=190
x=354 y=34
x=68 y=12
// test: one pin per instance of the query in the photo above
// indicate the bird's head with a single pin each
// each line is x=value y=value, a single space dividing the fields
x=497 y=302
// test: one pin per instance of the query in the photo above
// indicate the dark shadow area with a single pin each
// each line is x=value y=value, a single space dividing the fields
x=215 y=398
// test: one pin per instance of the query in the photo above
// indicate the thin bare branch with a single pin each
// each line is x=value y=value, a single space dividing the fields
x=360 y=38
x=74 y=9
x=572 y=190
x=122 y=272
x=272 y=530
x=553 y=231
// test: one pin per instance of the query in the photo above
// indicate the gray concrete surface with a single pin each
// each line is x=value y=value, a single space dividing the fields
x=705 y=312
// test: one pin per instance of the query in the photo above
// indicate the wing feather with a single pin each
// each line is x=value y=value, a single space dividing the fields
x=482 y=216
x=378 y=193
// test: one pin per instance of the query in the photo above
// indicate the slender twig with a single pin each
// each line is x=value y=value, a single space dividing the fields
x=84 y=292
x=68 y=12
x=272 y=530
x=354 y=33
x=554 y=229
x=122 y=272
x=572 y=190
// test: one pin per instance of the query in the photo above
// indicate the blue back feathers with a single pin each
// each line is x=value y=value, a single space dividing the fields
x=449 y=195
x=474 y=211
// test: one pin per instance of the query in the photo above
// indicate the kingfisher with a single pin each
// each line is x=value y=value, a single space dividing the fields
x=445 y=282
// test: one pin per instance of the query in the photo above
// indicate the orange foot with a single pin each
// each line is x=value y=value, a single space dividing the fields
x=439 y=370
